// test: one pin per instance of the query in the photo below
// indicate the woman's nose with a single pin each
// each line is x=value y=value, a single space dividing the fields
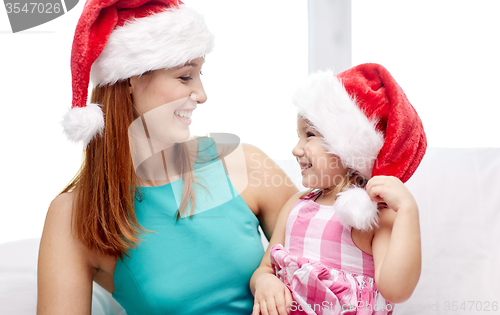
x=199 y=93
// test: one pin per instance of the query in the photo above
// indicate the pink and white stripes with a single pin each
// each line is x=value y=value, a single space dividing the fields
x=326 y=272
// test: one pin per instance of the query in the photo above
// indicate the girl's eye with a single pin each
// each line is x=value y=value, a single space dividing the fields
x=310 y=134
x=185 y=79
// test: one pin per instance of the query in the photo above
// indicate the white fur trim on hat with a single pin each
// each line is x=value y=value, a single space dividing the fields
x=346 y=130
x=354 y=208
x=160 y=41
x=83 y=123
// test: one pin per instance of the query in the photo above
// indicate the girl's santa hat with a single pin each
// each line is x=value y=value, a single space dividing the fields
x=117 y=39
x=367 y=121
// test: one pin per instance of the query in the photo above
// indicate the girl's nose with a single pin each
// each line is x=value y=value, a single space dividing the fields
x=298 y=150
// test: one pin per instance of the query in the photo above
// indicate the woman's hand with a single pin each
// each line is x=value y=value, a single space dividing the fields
x=390 y=190
x=272 y=297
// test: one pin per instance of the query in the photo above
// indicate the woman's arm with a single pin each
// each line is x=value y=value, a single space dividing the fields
x=64 y=271
x=266 y=189
x=270 y=293
x=269 y=187
x=396 y=243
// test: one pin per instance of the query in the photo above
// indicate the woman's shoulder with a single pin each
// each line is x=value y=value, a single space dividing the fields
x=239 y=158
x=61 y=207
x=253 y=153
x=256 y=159
x=293 y=200
x=59 y=219
x=59 y=222
x=59 y=230
x=65 y=265
x=57 y=235
x=223 y=145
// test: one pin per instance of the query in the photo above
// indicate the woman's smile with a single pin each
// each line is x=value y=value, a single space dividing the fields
x=184 y=114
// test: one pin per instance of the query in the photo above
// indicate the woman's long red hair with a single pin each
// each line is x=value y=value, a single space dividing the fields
x=105 y=186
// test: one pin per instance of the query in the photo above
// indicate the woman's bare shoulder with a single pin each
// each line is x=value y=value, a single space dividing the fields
x=59 y=228
x=60 y=212
x=64 y=269
x=226 y=145
x=59 y=221
x=293 y=199
x=63 y=202
x=253 y=151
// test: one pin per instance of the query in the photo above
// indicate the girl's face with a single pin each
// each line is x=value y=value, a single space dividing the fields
x=166 y=99
x=320 y=169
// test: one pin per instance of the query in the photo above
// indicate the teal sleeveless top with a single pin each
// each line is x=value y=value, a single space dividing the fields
x=195 y=265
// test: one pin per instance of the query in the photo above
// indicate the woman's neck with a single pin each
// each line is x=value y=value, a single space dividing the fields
x=159 y=169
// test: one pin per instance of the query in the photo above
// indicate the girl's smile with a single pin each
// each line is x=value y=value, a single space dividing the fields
x=319 y=169
x=304 y=167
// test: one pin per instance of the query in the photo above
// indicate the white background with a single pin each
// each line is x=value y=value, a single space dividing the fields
x=444 y=53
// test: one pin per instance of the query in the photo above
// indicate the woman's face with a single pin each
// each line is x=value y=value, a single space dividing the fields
x=166 y=99
x=320 y=169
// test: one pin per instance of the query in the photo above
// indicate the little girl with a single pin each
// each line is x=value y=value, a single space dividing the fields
x=352 y=242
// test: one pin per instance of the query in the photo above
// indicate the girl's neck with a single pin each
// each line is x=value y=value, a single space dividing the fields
x=327 y=197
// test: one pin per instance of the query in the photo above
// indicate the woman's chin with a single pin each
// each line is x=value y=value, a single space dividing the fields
x=182 y=137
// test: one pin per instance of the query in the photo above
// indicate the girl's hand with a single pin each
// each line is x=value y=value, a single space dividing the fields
x=272 y=297
x=391 y=190
x=396 y=242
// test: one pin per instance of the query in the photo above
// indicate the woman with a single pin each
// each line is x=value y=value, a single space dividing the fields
x=164 y=224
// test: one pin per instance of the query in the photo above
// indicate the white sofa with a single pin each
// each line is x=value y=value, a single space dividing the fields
x=458 y=195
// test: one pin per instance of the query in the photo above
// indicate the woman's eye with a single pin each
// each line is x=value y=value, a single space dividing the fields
x=185 y=78
x=310 y=134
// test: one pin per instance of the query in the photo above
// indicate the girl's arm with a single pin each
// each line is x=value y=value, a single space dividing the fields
x=64 y=272
x=396 y=243
x=271 y=295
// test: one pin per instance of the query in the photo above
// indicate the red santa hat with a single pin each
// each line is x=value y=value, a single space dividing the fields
x=117 y=39
x=365 y=119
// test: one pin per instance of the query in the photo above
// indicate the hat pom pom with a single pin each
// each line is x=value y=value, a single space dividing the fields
x=354 y=208
x=83 y=123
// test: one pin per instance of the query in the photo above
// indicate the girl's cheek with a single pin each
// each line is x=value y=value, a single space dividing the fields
x=307 y=148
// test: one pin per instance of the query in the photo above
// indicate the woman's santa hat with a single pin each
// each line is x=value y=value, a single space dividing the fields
x=367 y=121
x=117 y=39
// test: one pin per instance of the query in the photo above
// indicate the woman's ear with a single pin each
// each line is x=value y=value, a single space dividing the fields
x=140 y=82
x=131 y=84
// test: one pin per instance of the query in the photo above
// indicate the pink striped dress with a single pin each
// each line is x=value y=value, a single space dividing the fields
x=323 y=268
